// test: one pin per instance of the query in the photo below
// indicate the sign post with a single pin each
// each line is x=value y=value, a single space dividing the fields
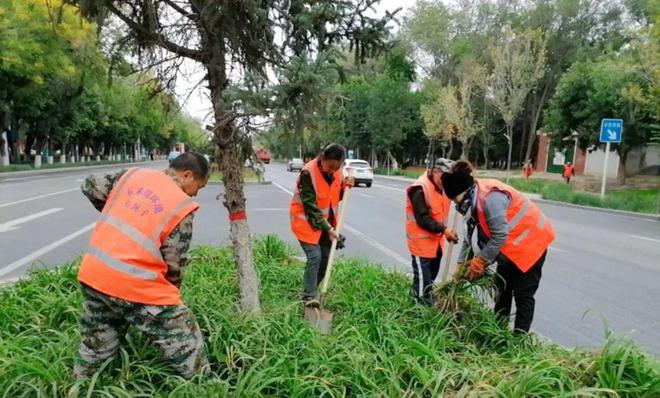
x=611 y=131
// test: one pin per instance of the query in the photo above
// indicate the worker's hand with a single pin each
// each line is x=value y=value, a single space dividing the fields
x=476 y=268
x=349 y=182
x=451 y=235
x=461 y=268
x=334 y=235
x=341 y=242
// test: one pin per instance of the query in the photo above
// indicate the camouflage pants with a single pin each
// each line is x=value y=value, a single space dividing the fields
x=105 y=321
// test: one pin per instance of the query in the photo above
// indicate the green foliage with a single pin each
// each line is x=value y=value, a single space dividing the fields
x=382 y=343
x=54 y=89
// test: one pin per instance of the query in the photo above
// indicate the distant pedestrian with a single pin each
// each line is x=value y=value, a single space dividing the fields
x=569 y=171
x=132 y=272
x=528 y=169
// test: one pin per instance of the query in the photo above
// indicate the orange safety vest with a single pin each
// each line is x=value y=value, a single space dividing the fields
x=568 y=170
x=327 y=197
x=124 y=258
x=530 y=233
x=421 y=242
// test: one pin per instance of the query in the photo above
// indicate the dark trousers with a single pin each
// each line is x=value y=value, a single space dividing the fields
x=425 y=270
x=317 y=263
x=513 y=283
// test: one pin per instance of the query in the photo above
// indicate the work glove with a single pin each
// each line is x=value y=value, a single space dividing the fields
x=341 y=242
x=451 y=235
x=476 y=268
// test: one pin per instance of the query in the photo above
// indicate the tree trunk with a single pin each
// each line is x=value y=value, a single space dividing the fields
x=227 y=138
x=531 y=138
x=623 y=156
x=509 y=130
x=522 y=142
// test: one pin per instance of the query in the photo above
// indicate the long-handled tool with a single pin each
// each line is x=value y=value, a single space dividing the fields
x=320 y=317
x=448 y=255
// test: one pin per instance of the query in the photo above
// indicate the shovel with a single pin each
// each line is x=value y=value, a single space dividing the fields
x=320 y=317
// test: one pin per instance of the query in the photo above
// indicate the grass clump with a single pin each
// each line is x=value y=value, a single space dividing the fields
x=382 y=344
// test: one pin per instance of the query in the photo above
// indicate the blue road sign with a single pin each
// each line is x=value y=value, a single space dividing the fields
x=611 y=130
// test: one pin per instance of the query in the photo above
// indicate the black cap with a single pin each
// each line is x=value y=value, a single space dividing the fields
x=456 y=182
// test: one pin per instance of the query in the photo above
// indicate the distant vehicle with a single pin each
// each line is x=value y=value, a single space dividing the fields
x=263 y=155
x=173 y=155
x=295 y=164
x=360 y=170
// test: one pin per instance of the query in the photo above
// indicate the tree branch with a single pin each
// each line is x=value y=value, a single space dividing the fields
x=158 y=39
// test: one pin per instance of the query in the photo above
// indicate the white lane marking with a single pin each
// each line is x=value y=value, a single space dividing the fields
x=282 y=188
x=365 y=195
x=645 y=238
x=80 y=180
x=6 y=269
x=10 y=225
x=364 y=237
x=376 y=244
x=556 y=249
x=38 y=197
x=390 y=188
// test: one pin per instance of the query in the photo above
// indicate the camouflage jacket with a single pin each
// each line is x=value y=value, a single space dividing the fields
x=174 y=248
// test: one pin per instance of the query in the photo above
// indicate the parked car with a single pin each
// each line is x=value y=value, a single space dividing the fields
x=360 y=170
x=295 y=164
x=263 y=155
x=173 y=155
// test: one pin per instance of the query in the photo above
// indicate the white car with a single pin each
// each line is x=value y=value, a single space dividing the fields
x=360 y=170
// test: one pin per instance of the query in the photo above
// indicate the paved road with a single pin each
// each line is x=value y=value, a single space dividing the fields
x=603 y=270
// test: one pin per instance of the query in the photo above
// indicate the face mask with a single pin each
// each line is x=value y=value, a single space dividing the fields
x=466 y=203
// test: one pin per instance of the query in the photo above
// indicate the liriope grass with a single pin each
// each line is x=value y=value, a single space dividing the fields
x=382 y=344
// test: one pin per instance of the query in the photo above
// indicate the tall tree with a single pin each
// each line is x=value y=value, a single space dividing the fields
x=518 y=63
x=223 y=35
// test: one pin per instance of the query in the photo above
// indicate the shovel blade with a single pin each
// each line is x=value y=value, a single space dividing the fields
x=319 y=318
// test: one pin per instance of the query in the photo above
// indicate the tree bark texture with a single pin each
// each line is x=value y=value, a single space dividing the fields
x=509 y=131
x=535 y=120
x=227 y=138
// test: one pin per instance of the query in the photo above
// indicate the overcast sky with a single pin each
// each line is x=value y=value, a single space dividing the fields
x=196 y=102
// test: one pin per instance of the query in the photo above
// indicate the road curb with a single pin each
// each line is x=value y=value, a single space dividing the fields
x=653 y=217
x=538 y=198
x=28 y=173
x=244 y=183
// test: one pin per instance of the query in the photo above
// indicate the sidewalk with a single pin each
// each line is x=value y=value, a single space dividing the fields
x=27 y=173
x=538 y=198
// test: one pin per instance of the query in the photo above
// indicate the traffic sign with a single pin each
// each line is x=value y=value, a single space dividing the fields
x=611 y=130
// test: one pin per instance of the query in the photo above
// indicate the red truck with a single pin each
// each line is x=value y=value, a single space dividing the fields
x=263 y=155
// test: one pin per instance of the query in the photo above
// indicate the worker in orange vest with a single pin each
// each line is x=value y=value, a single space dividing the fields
x=427 y=208
x=569 y=171
x=528 y=169
x=506 y=228
x=132 y=271
x=313 y=212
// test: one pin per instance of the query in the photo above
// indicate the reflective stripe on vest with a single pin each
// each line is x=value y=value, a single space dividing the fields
x=530 y=233
x=422 y=243
x=128 y=230
x=121 y=266
x=124 y=258
x=327 y=199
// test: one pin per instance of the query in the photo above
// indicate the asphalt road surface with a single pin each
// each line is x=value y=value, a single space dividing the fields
x=603 y=271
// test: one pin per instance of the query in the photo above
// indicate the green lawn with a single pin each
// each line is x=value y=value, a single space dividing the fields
x=25 y=167
x=382 y=343
x=641 y=201
x=248 y=175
